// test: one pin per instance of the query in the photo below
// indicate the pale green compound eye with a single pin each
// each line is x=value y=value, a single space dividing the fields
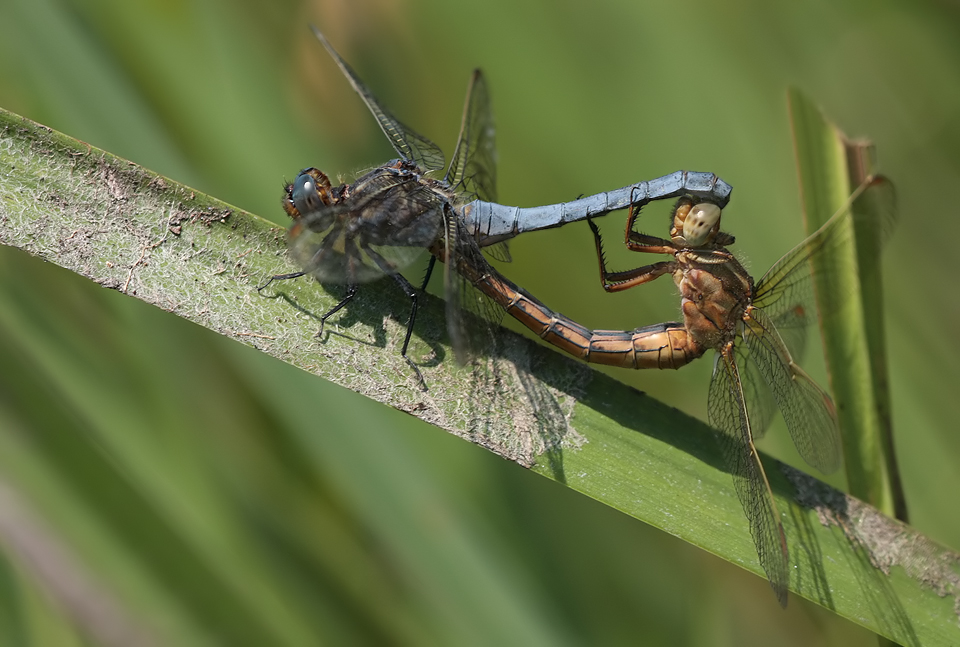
x=700 y=223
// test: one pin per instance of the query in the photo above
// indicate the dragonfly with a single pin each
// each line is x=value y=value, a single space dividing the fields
x=378 y=224
x=758 y=330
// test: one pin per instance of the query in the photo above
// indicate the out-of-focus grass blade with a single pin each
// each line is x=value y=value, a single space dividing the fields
x=831 y=167
x=27 y=617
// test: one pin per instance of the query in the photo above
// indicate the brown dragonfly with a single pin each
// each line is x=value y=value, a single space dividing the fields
x=758 y=330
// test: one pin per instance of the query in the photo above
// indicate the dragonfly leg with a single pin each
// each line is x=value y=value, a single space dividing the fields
x=637 y=242
x=411 y=292
x=428 y=273
x=351 y=292
x=617 y=281
x=280 y=277
x=314 y=262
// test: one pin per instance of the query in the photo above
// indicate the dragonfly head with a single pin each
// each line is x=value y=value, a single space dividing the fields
x=694 y=224
x=307 y=193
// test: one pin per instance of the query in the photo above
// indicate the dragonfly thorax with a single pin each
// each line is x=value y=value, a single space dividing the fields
x=711 y=310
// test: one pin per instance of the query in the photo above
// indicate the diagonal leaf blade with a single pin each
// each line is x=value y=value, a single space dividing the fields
x=199 y=258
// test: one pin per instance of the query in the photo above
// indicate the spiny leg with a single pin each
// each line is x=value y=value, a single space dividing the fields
x=617 y=281
x=637 y=242
x=428 y=273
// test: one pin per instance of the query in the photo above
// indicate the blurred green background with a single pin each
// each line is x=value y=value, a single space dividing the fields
x=222 y=497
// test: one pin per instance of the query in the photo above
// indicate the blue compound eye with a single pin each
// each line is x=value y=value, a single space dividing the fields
x=304 y=194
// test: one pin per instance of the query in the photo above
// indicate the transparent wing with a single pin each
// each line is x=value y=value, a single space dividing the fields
x=409 y=144
x=728 y=413
x=807 y=409
x=499 y=251
x=398 y=221
x=785 y=292
x=473 y=167
x=792 y=325
x=328 y=259
x=761 y=406
x=472 y=316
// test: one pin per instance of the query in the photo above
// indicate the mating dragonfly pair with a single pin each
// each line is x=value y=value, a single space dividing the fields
x=357 y=232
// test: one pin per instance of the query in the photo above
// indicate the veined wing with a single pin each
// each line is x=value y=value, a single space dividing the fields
x=409 y=144
x=472 y=316
x=398 y=222
x=785 y=292
x=727 y=413
x=759 y=400
x=807 y=409
x=473 y=167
